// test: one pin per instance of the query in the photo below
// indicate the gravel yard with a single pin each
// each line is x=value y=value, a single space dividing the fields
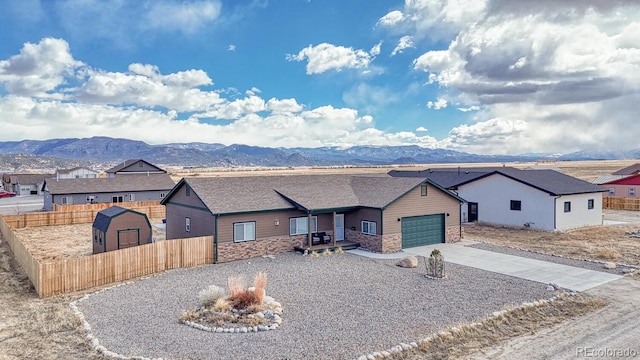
x=336 y=307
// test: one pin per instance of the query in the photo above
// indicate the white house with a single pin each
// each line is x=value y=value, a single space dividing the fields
x=539 y=199
x=76 y=173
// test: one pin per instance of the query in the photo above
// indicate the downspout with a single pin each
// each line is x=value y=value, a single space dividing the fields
x=215 y=239
x=555 y=210
x=460 y=221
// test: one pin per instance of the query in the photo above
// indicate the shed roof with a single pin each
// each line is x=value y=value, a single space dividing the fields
x=224 y=195
x=603 y=179
x=128 y=183
x=104 y=217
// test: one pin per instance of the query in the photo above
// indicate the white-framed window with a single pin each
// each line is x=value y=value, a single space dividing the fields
x=368 y=227
x=632 y=191
x=132 y=197
x=300 y=225
x=567 y=206
x=67 y=200
x=590 y=204
x=161 y=195
x=187 y=224
x=423 y=190
x=91 y=199
x=244 y=231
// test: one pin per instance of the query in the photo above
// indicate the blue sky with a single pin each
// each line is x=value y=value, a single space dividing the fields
x=482 y=76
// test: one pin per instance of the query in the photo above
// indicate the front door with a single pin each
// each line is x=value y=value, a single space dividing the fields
x=339 y=227
x=473 y=212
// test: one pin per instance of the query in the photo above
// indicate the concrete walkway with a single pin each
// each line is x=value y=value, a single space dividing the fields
x=569 y=277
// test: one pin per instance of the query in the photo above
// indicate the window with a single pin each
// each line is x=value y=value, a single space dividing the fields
x=67 y=200
x=368 y=227
x=187 y=224
x=132 y=197
x=91 y=199
x=516 y=205
x=161 y=195
x=117 y=199
x=423 y=189
x=140 y=164
x=245 y=231
x=632 y=191
x=567 y=206
x=612 y=191
x=187 y=191
x=590 y=204
x=299 y=225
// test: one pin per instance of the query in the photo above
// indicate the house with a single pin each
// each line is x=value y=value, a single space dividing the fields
x=25 y=184
x=629 y=170
x=540 y=199
x=258 y=215
x=76 y=173
x=106 y=190
x=624 y=187
x=133 y=167
x=117 y=228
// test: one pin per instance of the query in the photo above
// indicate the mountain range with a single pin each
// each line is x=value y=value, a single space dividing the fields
x=106 y=150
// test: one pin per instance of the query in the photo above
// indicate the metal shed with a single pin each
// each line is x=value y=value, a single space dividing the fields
x=117 y=228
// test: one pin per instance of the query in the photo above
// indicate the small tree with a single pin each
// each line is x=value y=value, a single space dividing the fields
x=435 y=264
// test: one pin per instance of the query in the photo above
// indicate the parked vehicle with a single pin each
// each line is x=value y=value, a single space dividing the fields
x=4 y=193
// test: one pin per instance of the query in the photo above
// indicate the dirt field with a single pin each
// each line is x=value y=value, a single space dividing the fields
x=605 y=243
x=49 y=243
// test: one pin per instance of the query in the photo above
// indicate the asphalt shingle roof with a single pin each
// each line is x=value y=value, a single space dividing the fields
x=103 y=217
x=125 y=164
x=629 y=170
x=223 y=195
x=27 y=179
x=128 y=183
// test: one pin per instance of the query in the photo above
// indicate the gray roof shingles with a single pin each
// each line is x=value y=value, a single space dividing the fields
x=629 y=170
x=127 y=183
x=224 y=195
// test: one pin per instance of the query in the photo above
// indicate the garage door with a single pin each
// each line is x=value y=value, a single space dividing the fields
x=422 y=230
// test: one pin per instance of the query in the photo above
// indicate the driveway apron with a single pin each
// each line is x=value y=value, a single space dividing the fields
x=568 y=277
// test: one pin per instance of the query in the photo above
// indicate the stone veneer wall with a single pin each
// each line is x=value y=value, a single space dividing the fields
x=391 y=243
x=248 y=249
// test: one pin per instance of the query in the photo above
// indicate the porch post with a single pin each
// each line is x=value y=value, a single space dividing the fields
x=334 y=229
x=309 y=228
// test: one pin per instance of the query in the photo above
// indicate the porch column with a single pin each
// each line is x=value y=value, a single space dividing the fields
x=309 y=227
x=334 y=229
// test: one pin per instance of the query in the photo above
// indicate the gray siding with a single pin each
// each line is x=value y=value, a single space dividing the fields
x=100 y=198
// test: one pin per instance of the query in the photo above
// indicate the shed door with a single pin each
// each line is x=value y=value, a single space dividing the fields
x=422 y=230
x=128 y=238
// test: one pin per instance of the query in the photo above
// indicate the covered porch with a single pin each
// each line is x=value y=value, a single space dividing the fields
x=327 y=231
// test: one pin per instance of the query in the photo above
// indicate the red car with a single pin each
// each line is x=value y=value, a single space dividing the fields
x=4 y=193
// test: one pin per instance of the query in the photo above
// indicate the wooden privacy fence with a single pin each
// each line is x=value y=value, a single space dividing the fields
x=129 y=205
x=68 y=275
x=50 y=218
x=101 y=269
x=616 y=203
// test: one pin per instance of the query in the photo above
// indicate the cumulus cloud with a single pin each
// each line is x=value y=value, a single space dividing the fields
x=438 y=104
x=422 y=129
x=520 y=61
x=231 y=47
x=375 y=50
x=325 y=57
x=391 y=19
x=405 y=42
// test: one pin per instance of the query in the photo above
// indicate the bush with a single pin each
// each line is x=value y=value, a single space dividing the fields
x=209 y=295
x=243 y=299
x=222 y=305
x=236 y=285
x=260 y=283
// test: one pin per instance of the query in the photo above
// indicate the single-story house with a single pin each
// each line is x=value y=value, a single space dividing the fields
x=76 y=173
x=117 y=228
x=540 y=199
x=25 y=184
x=106 y=190
x=133 y=167
x=629 y=170
x=258 y=215
x=625 y=187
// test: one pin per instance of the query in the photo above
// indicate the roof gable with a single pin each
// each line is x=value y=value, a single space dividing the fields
x=629 y=170
x=104 y=217
x=132 y=165
x=129 y=183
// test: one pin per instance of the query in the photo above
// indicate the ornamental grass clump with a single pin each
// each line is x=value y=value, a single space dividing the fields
x=236 y=285
x=244 y=299
x=260 y=284
x=209 y=295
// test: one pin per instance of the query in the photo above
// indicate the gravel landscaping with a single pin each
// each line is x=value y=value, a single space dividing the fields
x=585 y=264
x=336 y=307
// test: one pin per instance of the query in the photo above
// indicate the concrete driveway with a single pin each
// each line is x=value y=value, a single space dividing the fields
x=569 y=277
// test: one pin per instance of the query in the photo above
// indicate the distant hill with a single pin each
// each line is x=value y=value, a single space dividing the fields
x=111 y=150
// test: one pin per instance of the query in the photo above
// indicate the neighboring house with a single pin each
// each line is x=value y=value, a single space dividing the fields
x=629 y=170
x=106 y=190
x=540 y=199
x=626 y=187
x=253 y=216
x=25 y=184
x=133 y=167
x=76 y=173
x=117 y=228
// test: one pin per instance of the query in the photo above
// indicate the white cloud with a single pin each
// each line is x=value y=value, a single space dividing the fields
x=325 y=57
x=39 y=68
x=405 y=42
x=438 y=104
x=375 y=50
x=183 y=16
x=231 y=47
x=422 y=129
x=391 y=19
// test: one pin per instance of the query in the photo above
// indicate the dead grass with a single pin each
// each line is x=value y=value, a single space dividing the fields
x=469 y=339
x=50 y=243
x=33 y=328
x=605 y=243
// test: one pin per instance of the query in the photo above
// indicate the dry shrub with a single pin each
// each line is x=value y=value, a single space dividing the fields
x=607 y=254
x=260 y=284
x=326 y=252
x=236 y=285
x=243 y=299
x=257 y=308
x=189 y=315
x=339 y=250
x=209 y=295
x=222 y=305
